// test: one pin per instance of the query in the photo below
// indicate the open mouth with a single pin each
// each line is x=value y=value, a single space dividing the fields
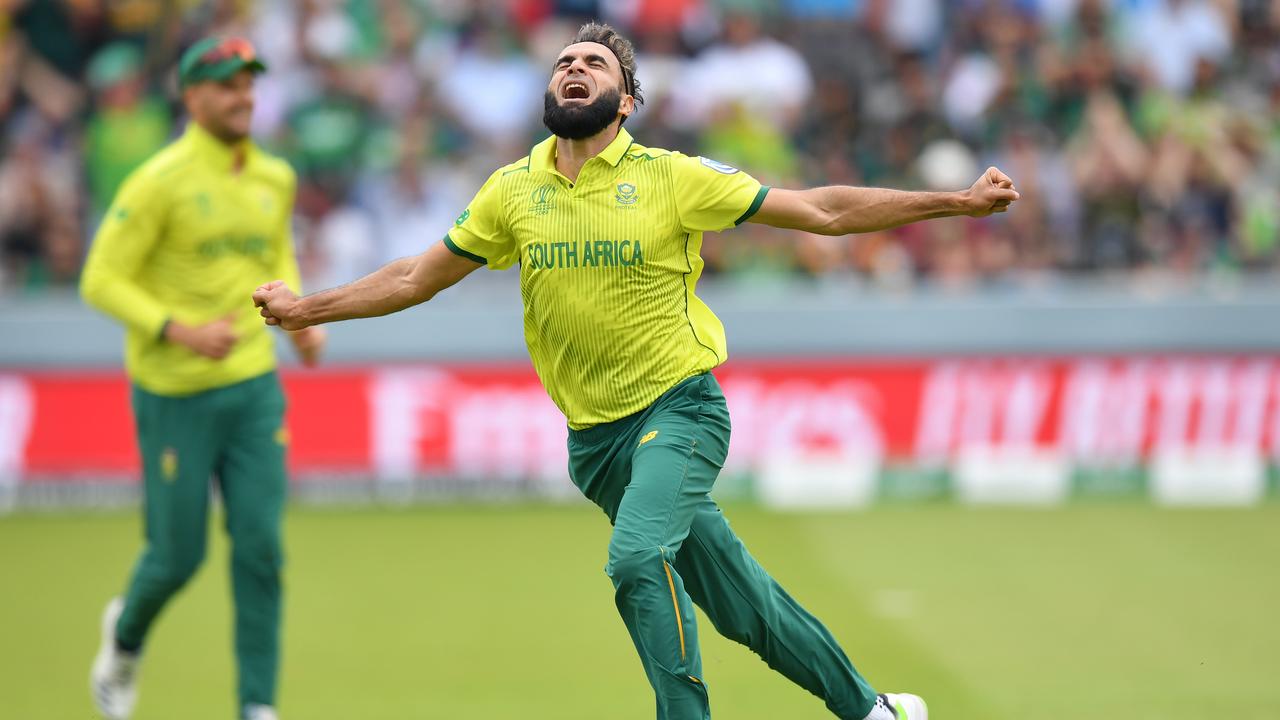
x=575 y=91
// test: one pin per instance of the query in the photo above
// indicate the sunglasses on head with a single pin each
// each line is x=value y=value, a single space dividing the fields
x=626 y=82
x=230 y=48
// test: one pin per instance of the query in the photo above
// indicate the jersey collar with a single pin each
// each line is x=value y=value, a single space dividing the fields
x=543 y=155
x=212 y=150
x=616 y=149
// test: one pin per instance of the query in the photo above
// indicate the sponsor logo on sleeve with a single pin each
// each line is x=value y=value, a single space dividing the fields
x=718 y=166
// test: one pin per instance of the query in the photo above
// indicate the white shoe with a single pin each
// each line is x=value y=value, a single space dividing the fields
x=906 y=706
x=113 y=681
x=260 y=712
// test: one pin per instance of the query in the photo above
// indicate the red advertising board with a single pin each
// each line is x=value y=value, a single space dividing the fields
x=495 y=419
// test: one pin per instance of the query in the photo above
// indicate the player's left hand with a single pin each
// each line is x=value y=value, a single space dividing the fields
x=309 y=343
x=992 y=193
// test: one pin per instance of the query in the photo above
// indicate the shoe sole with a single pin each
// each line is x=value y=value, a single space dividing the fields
x=916 y=707
x=913 y=705
x=107 y=638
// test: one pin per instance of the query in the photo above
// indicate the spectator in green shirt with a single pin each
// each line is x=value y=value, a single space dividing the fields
x=128 y=124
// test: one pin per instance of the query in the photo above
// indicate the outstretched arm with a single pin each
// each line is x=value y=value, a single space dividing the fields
x=840 y=210
x=393 y=287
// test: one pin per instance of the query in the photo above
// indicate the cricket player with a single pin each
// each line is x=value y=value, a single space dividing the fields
x=188 y=237
x=607 y=234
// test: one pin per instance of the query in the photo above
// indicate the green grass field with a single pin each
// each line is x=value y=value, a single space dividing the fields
x=496 y=612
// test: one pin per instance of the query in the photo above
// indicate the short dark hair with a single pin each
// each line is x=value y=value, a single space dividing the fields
x=605 y=35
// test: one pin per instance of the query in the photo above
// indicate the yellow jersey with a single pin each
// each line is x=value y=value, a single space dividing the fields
x=608 y=268
x=188 y=239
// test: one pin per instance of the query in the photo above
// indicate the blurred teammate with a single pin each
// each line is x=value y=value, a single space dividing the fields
x=607 y=234
x=189 y=235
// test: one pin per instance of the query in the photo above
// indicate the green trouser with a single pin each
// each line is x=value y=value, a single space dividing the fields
x=652 y=473
x=234 y=434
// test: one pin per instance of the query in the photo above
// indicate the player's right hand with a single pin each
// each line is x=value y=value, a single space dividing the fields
x=212 y=340
x=279 y=305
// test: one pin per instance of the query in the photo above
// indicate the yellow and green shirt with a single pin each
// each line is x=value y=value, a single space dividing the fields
x=608 y=267
x=188 y=239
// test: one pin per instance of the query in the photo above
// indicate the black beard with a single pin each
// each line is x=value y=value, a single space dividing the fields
x=225 y=133
x=578 y=122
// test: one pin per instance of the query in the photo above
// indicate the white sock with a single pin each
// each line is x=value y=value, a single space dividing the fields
x=881 y=711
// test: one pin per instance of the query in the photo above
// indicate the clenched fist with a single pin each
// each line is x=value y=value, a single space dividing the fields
x=992 y=193
x=279 y=305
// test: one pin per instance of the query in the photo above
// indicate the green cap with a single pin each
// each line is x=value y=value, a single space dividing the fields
x=217 y=59
x=114 y=63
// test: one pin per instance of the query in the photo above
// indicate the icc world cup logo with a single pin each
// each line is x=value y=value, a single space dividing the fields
x=543 y=200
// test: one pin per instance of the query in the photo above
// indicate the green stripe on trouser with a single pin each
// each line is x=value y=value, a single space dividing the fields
x=652 y=474
x=233 y=434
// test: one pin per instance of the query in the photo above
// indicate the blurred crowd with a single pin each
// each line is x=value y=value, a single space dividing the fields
x=1144 y=135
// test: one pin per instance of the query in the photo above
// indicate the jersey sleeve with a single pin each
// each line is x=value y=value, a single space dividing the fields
x=480 y=233
x=129 y=231
x=712 y=196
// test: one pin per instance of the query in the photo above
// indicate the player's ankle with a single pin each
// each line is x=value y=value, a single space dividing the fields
x=881 y=710
x=130 y=649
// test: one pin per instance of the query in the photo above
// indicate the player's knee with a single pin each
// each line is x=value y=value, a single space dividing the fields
x=629 y=565
x=261 y=555
x=175 y=571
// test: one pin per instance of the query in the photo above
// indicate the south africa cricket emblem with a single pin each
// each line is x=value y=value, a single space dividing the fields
x=169 y=464
x=626 y=194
